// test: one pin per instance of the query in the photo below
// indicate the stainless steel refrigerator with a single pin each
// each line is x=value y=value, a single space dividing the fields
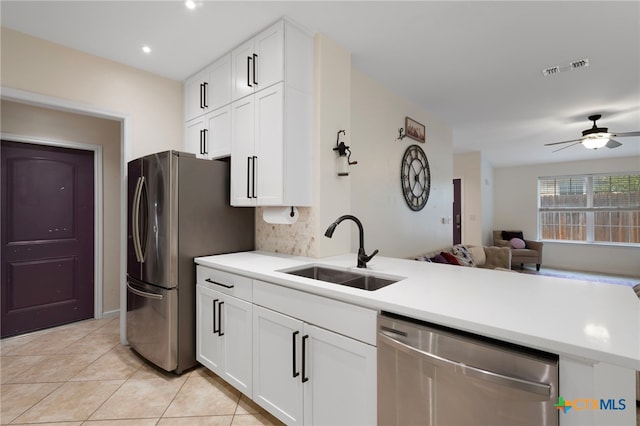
x=178 y=209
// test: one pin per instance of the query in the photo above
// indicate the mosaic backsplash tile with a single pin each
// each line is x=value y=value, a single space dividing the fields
x=297 y=239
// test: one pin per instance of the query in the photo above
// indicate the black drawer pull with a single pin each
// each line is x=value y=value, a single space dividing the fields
x=214 y=316
x=209 y=280
x=220 y=333
x=295 y=373
x=304 y=359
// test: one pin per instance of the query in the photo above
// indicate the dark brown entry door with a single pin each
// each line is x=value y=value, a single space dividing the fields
x=47 y=236
x=457 y=211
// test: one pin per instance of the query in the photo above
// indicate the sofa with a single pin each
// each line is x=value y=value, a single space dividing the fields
x=471 y=256
x=523 y=251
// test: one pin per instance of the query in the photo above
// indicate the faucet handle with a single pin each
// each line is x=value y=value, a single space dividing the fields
x=363 y=258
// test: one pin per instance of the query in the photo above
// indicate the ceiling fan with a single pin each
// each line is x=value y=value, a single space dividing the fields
x=596 y=137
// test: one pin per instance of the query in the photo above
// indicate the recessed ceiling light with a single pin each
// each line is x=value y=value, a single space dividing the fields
x=190 y=4
x=146 y=49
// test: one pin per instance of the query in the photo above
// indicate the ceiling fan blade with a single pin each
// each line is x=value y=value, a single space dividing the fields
x=568 y=146
x=558 y=143
x=622 y=135
x=613 y=144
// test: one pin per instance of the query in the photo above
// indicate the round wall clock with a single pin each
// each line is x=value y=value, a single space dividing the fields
x=415 y=177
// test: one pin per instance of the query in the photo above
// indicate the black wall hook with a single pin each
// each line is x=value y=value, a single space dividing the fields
x=401 y=134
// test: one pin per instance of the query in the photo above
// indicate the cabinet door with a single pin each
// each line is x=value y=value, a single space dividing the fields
x=277 y=377
x=209 y=351
x=269 y=143
x=236 y=329
x=219 y=83
x=341 y=373
x=242 y=66
x=242 y=152
x=195 y=137
x=218 y=136
x=269 y=51
x=194 y=96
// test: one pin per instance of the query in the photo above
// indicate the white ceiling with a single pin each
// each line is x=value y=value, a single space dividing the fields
x=474 y=65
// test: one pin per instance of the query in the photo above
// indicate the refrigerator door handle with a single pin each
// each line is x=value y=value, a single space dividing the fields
x=135 y=215
x=144 y=293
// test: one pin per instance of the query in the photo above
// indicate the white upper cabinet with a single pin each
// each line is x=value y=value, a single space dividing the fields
x=255 y=104
x=257 y=154
x=209 y=89
x=259 y=62
x=209 y=136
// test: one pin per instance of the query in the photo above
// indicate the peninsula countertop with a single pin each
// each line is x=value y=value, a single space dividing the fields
x=592 y=321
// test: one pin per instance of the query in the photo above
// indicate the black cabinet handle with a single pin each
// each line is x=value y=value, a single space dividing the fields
x=201 y=141
x=202 y=95
x=209 y=280
x=304 y=359
x=248 y=175
x=220 y=333
x=254 y=177
x=293 y=337
x=205 y=150
x=205 y=101
x=248 y=67
x=214 y=316
x=255 y=59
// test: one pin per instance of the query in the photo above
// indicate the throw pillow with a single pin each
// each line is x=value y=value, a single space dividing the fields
x=449 y=257
x=508 y=235
x=461 y=252
x=438 y=259
x=478 y=255
x=517 y=243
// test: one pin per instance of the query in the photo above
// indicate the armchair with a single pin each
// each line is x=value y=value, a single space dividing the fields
x=531 y=253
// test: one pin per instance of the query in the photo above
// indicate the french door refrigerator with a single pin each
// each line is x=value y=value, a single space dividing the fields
x=179 y=208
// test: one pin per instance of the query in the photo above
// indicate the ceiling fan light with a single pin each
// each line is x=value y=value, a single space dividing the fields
x=595 y=143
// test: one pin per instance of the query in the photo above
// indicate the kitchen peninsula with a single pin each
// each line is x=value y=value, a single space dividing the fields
x=593 y=328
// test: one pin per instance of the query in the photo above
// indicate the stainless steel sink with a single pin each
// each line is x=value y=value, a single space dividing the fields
x=342 y=277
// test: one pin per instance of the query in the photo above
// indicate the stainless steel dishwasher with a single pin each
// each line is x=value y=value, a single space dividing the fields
x=432 y=375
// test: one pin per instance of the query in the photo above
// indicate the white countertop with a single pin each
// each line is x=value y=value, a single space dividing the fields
x=589 y=321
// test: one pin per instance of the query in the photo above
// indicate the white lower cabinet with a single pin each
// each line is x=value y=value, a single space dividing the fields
x=304 y=374
x=306 y=359
x=223 y=342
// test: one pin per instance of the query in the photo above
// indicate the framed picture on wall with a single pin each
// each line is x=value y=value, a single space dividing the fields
x=414 y=129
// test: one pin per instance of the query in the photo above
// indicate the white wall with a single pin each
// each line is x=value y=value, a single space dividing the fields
x=376 y=196
x=516 y=207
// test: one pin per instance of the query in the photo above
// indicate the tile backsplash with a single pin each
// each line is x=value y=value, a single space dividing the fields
x=297 y=239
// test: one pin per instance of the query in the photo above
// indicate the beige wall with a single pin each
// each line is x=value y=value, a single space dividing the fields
x=477 y=197
x=152 y=103
x=346 y=99
x=152 y=106
x=376 y=197
x=57 y=126
x=516 y=207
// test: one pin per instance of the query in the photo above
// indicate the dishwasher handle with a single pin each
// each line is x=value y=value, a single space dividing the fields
x=525 y=385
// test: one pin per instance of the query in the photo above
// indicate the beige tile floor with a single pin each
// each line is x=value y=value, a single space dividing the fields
x=80 y=374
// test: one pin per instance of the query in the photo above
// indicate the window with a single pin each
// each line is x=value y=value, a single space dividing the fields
x=602 y=208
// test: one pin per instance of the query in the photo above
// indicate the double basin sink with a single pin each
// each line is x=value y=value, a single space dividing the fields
x=343 y=277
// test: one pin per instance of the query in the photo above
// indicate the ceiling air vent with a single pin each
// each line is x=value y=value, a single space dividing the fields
x=580 y=63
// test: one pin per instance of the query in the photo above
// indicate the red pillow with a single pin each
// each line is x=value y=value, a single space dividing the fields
x=450 y=258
